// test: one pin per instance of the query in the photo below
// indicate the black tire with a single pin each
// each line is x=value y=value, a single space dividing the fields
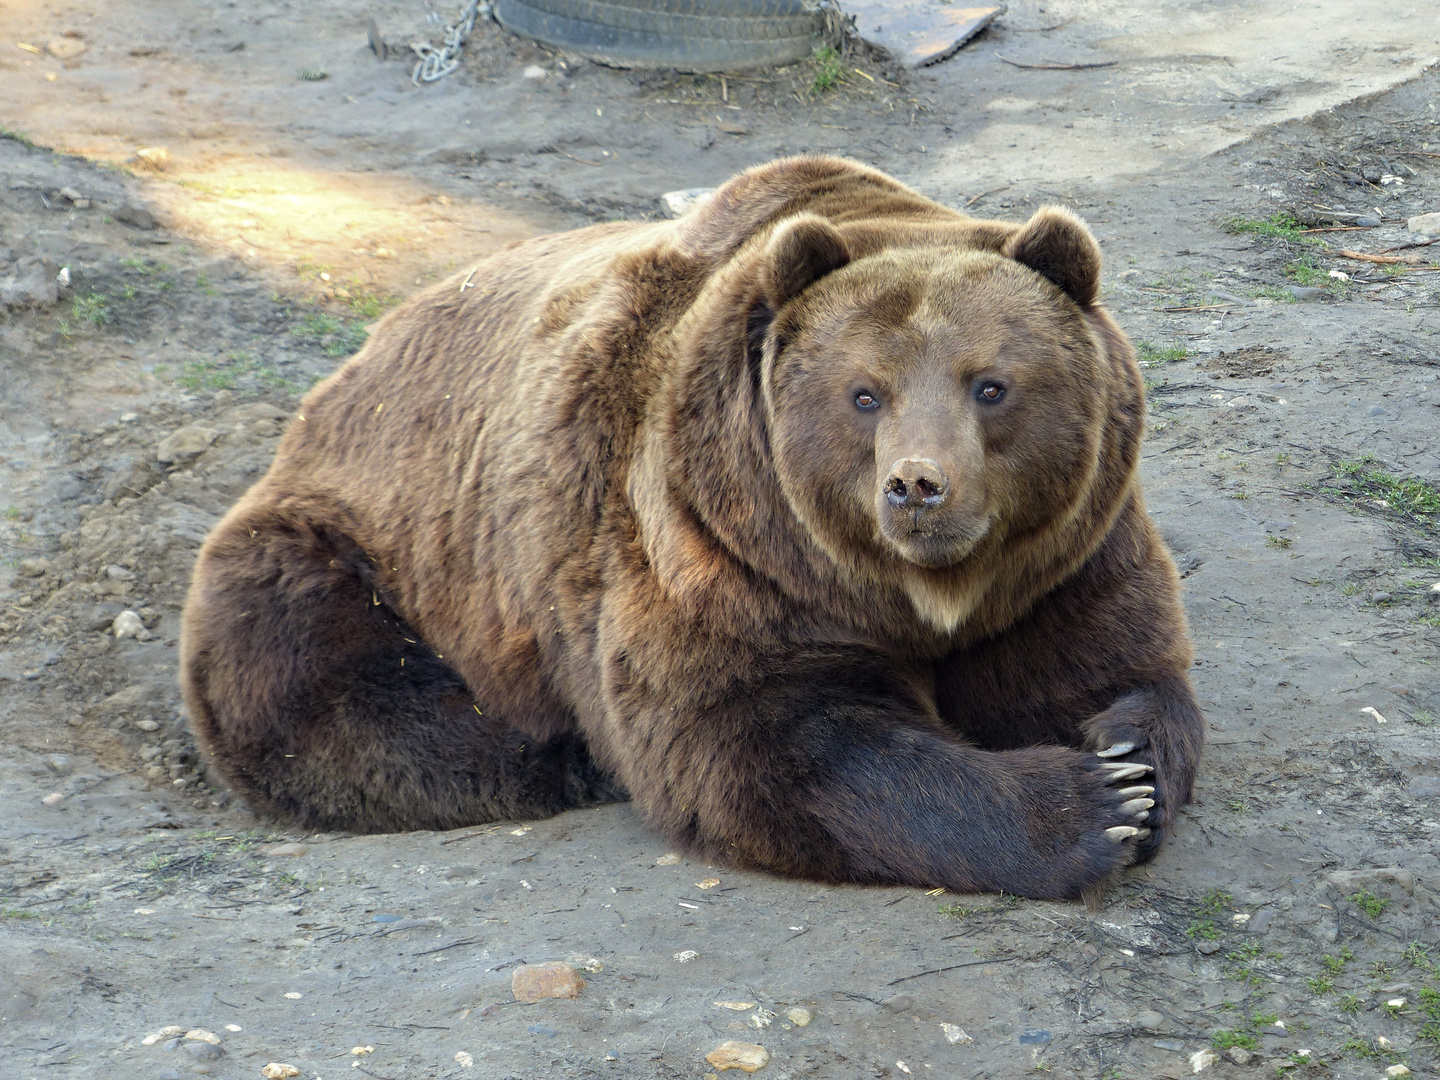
x=691 y=35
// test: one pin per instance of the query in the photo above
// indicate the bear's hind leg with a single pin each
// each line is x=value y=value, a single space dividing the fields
x=318 y=703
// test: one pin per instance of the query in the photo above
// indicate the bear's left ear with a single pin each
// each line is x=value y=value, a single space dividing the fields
x=1057 y=245
x=801 y=251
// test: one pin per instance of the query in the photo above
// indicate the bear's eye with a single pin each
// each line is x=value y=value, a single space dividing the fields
x=989 y=392
x=866 y=400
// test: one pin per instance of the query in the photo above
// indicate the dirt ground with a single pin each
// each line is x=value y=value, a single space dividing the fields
x=1292 y=463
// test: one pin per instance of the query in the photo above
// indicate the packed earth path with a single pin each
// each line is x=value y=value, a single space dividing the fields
x=1233 y=163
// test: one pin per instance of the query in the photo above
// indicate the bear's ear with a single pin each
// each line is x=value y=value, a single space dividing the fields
x=801 y=251
x=1057 y=245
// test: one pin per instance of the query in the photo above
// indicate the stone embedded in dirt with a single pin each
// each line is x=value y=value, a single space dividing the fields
x=535 y=72
x=1261 y=922
x=1398 y=1069
x=128 y=624
x=1173 y=1045
x=290 y=848
x=747 y=1057
x=535 y=982
x=201 y=1035
x=65 y=48
x=31 y=284
x=153 y=157
x=101 y=616
x=760 y=1018
x=685 y=956
x=164 y=1033
x=53 y=799
x=1034 y=1037
x=801 y=1017
x=60 y=763
x=204 y=1051
x=1424 y=224
x=464 y=1060
x=1239 y=1055
x=679 y=203
x=133 y=213
x=667 y=860
x=33 y=567
x=898 y=1002
x=955 y=1034
x=187 y=442
x=277 y=1070
x=1202 y=1060
x=1349 y=881
x=1150 y=1020
x=1305 y=292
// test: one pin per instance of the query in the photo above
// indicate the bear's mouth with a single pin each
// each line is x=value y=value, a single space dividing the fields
x=932 y=547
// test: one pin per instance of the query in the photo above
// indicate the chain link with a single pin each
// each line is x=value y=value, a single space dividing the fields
x=437 y=63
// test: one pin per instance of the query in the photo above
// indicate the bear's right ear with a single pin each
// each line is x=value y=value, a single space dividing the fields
x=801 y=251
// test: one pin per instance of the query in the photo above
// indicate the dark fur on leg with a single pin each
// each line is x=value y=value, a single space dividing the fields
x=320 y=704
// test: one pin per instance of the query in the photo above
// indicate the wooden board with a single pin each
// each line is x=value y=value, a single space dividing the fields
x=919 y=32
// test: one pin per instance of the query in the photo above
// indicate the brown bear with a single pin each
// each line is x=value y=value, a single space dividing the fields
x=810 y=521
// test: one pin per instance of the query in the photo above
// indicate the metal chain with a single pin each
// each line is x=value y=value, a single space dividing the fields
x=437 y=63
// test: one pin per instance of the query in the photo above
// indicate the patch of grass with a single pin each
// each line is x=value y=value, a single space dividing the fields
x=204 y=283
x=1307 y=272
x=1150 y=353
x=17 y=136
x=127 y=293
x=13 y=513
x=1373 y=906
x=1281 y=542
x=829 y=70
x=1407 y=496
x=335 y=336
x=1280 y=226
x=1224 y=1040
x=1205 y=929
x=1359 y=1046
x=364 y=303
x=1214 y=902
x=90 y=309
x=1237 y=806
x=139 y=265
x=954 y=911
x=1282 y=457
x=16 y=913
x=204 y=375
x=1349 y=1003
x=1241 y=495
x=1336 y=964
x=311 y=75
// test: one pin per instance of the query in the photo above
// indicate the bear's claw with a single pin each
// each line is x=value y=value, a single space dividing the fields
x=1119 y=833
x=1137 y=792
x=1118 y=750
x=1124 y=770
x=1137 y=807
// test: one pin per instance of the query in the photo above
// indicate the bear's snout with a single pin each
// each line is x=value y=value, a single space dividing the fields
x=916 y=484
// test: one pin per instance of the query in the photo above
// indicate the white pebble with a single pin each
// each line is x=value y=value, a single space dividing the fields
x=463 y=1059
x=685 y=957
x=127 y=624
x=536 y=72
x=955 y=1034
x=53 y=799
x=294 y=995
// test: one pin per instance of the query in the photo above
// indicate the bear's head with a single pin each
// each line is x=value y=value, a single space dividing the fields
x=936 y=408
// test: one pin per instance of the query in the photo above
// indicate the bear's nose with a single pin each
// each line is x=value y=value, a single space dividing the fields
x=916 y=484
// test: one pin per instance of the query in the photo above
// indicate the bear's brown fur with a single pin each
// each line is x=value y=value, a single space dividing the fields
x=809 y=520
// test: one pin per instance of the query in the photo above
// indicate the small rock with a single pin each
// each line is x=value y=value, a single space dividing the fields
x=33 y=567
x=119 y=573
x=172 y=1044
x=277 y=1070
x=685 y=956
x=730 y=127
x=1397 y=1070
x=101 y=616
x=1173 y=1045
x=747 y=1057
x=535 y=72
x=464 y=1060
x=1034 y=1037
x=542 y=1029
x=132 y=213
x=799 y=1016
x=153 y=157
x=955 y=1034
x=60 y=763
x=898 y=1003
x=203 y=1051
x=1261 y=922
x=667 y=860
x=164 y=1033
x=53 y=799
x=361 y=1051
x=287 y=849
x=1150 y=1020
x=1305 y=292
x=1377 y=410
x=1424 y=224
x=1349 y=881
x=760 y=1018
x=1203 y=1059
x=1239 y=1055
x=201 y=1035
x=1368 y=221
x=147 y=725
x=534 y=982
x=679 y=203
x=188 y=442
x=128 y=624
x=65 y=48
x=1399 y=691
x=30 y=285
